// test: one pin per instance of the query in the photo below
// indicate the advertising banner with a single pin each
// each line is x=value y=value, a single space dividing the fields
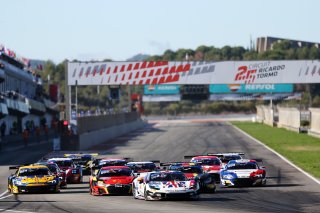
x=250 y=88
x=161 y=98
x=197 y=72
x=161 y=89
x=252 y=96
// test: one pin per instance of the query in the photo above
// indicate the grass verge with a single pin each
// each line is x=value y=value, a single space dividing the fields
x=301 y=149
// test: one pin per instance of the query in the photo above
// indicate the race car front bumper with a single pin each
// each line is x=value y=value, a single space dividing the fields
x=241 y=182
x=172 y=195
x=33 y=188
x=112 y=189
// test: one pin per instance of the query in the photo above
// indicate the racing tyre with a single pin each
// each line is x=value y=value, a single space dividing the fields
x=146 y=197
x=134 y=194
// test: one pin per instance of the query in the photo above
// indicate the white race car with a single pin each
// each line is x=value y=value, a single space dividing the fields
x=243 y=172
x=165 y=185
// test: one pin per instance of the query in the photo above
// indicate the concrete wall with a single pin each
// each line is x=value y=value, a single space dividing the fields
x=92 y=138
x=315 y=122
x=94 y=123
x=265 y=115
x=268 y=115
x=289 y=118
x=260 y=114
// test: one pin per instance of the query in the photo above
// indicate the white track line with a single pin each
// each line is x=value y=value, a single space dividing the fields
x=282 y=157
x=5 y=192
x=8 y=210
x=6 y=196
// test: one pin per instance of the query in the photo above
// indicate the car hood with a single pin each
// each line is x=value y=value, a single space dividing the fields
x=117 y=180
x=36 y=179
x=191 y=176
x=169 y=185
x=242 y=173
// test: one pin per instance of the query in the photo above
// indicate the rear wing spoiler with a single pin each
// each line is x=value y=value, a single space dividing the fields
x=222 y=154
x=18 y=166
x=191 y=156
x=80 y=154
x=258 y=160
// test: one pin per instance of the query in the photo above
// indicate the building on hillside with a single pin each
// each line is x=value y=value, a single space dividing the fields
x=266 y=43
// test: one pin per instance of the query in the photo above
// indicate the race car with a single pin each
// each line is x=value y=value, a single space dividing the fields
x=83 y=160
x=243 y=173
x=227 y=156
x=143 y=166
x=194 y=172
x=165 y=185
x=99 y=163
x=54 y=169
x=209 y=164
x=112 y=180
x=73 y=172
x=33 y=178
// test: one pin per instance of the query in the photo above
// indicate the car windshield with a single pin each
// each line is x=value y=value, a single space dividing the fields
x=52 y=168
x=114 y=172
x=233 y=166
x=142 y=166
x=187 y=169
x=167 y=177
x=112 y=163
x=82 y=160
x=34 y=172
x=207 y=161
x=64 y=163
x=226 y=159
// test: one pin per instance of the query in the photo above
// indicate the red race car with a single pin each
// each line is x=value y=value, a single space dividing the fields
x=73 y=172
x=209 y=164
x=112 y=180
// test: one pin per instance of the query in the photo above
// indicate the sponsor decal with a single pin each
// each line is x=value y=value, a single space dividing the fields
x=248 y=74
x=234 y=87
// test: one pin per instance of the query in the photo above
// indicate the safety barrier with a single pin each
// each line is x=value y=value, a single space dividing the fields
x=96 y=130
x=315 y=122
x=94 y=123
x=289 y=118
x=265 y=115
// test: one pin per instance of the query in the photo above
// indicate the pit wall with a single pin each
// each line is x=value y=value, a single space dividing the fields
x=315 y=122
x=93 y=138
x=289 y=118
x=95 y=130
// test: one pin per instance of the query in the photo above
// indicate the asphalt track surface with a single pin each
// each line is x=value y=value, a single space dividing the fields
x=287 y=190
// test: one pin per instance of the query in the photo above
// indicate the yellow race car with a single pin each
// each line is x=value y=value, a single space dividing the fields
x=33 y=178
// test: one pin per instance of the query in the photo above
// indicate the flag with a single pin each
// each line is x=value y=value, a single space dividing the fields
x=26 y=62
x=2 y=48
x=39 y=67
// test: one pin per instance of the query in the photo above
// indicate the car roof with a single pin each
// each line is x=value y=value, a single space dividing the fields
x=204 y=157
x=112 y=159
x=241 y=161
x=115 y=167
x=140 y=162
x=59 y=159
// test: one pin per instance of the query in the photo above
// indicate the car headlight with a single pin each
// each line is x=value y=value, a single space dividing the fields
x=100 y=183
x=53 y=181
x=154 y=186
x=228 y=176
x=17 y=182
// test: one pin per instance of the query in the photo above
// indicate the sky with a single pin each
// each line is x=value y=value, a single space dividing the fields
x=119 y=29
